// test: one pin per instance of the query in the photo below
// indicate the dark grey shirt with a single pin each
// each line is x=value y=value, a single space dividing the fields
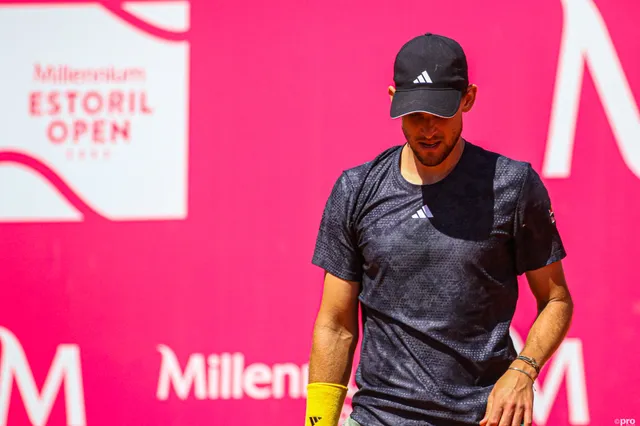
x=438 y=267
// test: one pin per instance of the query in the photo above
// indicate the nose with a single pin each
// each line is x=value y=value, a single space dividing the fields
x=428 y=126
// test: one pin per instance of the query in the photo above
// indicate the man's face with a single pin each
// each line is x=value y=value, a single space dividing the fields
x=432 y=138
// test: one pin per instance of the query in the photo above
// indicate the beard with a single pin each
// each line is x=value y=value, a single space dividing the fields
x=436 y=157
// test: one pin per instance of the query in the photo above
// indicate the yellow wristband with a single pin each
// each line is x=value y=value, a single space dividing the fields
x=324 y=403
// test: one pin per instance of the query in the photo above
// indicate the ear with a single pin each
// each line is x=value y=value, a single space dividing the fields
x=469 y=98
x=392 y=91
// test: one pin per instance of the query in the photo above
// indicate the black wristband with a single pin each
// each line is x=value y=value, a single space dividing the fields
x=532 y=362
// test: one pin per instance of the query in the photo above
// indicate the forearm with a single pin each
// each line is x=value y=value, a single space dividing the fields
x=548 y=330
x=331 y=353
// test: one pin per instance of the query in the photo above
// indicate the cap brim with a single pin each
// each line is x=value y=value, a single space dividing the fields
x=441 y=102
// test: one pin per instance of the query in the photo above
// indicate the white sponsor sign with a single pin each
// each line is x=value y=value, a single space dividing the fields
x=227 y=376
x=94 y=112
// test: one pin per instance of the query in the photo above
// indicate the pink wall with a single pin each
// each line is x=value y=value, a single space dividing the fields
x=194 y=239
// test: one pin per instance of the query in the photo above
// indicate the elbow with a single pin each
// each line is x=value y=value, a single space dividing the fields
x=565 y=300
x=568 y=301
x=341 y=331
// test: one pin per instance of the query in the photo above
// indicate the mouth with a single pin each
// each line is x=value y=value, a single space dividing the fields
x=427 y=145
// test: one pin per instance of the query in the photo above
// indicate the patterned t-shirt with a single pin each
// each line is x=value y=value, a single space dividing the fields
x=438 y=267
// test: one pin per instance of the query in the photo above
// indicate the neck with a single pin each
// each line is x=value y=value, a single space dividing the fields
x=418 y=174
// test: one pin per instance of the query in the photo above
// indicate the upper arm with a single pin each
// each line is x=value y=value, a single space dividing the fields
x=549 y=284
x=537 y=240
x=337 y=252
x=339 y=306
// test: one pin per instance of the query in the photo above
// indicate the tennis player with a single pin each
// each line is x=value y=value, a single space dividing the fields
x=428 y=239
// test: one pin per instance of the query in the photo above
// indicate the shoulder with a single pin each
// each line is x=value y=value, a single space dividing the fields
x=356 y=176
x=508 y=171
x=351 y=182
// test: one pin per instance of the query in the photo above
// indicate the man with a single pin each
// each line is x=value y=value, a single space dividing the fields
x=429 y=238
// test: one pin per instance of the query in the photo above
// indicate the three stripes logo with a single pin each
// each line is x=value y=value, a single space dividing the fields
x=423 y=78
x=423 y=213
x=314 y=420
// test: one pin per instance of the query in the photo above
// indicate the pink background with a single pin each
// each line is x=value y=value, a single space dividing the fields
x=284 y=96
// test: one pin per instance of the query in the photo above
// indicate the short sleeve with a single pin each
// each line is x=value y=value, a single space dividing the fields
x=336 y=247
x=537 y=241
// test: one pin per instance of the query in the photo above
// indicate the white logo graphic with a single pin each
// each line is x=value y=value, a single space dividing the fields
x=567 y=362
x=225 y=376
x=586 y=40
x=423 y=213
x=94 y=125
x=64 y=367
x=423 y=78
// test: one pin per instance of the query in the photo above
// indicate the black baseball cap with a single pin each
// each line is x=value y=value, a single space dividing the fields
x=430 y=73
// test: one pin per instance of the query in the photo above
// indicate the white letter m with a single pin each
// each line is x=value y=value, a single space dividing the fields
x=65 y=366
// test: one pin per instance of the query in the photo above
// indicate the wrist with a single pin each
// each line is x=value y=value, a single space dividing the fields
x=531 y=361
x=324 y=401
x=518 y=363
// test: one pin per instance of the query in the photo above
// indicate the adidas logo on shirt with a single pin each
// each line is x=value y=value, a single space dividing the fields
x=314 y=420
x=423 y=213
x=423 y=78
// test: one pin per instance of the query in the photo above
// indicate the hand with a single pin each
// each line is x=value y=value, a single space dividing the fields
x=511 y=401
